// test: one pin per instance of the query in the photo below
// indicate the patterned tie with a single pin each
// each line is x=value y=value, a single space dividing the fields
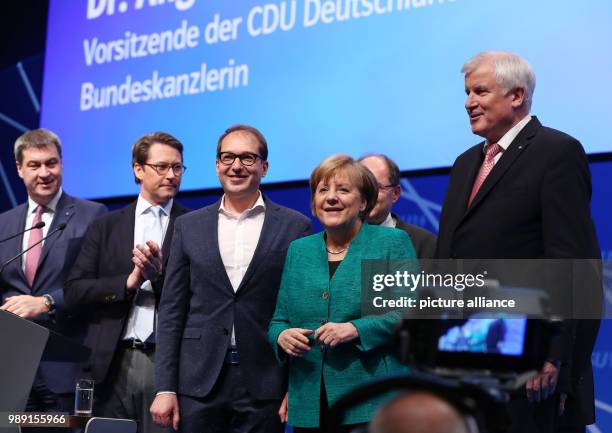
x=145 y=301
x=492 y=151
x=32 y=256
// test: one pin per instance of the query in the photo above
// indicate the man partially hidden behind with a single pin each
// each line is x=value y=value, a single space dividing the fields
x=215 y=370
x=117 y=279
x=420 y=412
x=387 y=175
x=31 y=286
x=524 y=193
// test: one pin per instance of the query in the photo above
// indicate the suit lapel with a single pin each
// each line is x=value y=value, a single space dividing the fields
x=63 y=213
x=515 y=149
x=15 y=246
x=176 y=211
x=474 y=164
x=211 y=243
x=124 y=233
x=267 y=237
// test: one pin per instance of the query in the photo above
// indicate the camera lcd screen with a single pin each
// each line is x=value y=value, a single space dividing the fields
x=492 y=335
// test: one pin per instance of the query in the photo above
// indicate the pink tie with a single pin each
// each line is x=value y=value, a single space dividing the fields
x=32 y=256
x=492 y=151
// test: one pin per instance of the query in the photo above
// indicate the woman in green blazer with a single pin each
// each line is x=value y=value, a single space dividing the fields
x=318 y=326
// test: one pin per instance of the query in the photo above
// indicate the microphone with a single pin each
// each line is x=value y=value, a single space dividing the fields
x=39 y=225
x=60 y=227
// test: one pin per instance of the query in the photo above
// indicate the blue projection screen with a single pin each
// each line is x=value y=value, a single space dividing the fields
x=316 y=76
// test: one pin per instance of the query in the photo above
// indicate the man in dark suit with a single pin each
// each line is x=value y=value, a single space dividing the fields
x=117 y=279
x=31 y=286
x=214 y=361
x=387 y=175
x=524 y=193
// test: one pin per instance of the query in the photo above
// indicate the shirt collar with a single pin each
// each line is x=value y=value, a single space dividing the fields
x=259 y=204
x=388 y=222
x=509 y=136
x=50 y=207
x=142 y=205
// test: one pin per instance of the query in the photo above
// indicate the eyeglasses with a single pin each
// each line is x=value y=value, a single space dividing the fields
x=247 y=158
x=385 y=187
x=162 y=169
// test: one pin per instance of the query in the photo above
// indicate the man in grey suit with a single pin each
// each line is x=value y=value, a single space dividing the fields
x=387 y=175
x=214 y=363
x=31 y=286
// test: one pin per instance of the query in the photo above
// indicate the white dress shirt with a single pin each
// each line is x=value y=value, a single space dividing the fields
x=143 y=224
x=388 y=222
x=509 y=137
x=238 y=236
x=46 y=217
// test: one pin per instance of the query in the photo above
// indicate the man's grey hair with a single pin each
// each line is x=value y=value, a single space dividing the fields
x=511 y=71
x=37 y=138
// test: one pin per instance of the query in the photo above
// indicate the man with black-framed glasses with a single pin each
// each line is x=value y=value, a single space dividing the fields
x=387 y=174
x=118 y=276
x=215 y=371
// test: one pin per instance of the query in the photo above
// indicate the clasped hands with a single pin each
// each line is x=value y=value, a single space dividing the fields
x=295 y=342
x=148 y=263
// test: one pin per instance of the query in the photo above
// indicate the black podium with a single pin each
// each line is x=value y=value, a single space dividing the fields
x=23 y=344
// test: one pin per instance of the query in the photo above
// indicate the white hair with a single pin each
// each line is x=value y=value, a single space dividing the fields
x=511 y=71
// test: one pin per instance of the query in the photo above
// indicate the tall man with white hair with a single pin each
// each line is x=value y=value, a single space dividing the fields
x=524 y=193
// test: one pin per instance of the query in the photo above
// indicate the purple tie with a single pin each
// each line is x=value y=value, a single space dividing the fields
x=32 y=256
x=485 y=168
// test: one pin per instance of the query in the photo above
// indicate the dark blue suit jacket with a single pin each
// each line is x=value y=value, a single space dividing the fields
x=199 y=306
x=96 y=283
x=58 y=254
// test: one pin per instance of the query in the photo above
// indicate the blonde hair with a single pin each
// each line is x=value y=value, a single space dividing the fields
x=359 y=176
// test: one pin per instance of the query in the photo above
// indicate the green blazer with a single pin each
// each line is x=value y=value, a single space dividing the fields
x=307 y=299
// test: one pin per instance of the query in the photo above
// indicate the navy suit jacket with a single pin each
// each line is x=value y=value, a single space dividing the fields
x=199 y=305
x=96 y=283
x=58 y=254
x=534 y=204
x=423 y=240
